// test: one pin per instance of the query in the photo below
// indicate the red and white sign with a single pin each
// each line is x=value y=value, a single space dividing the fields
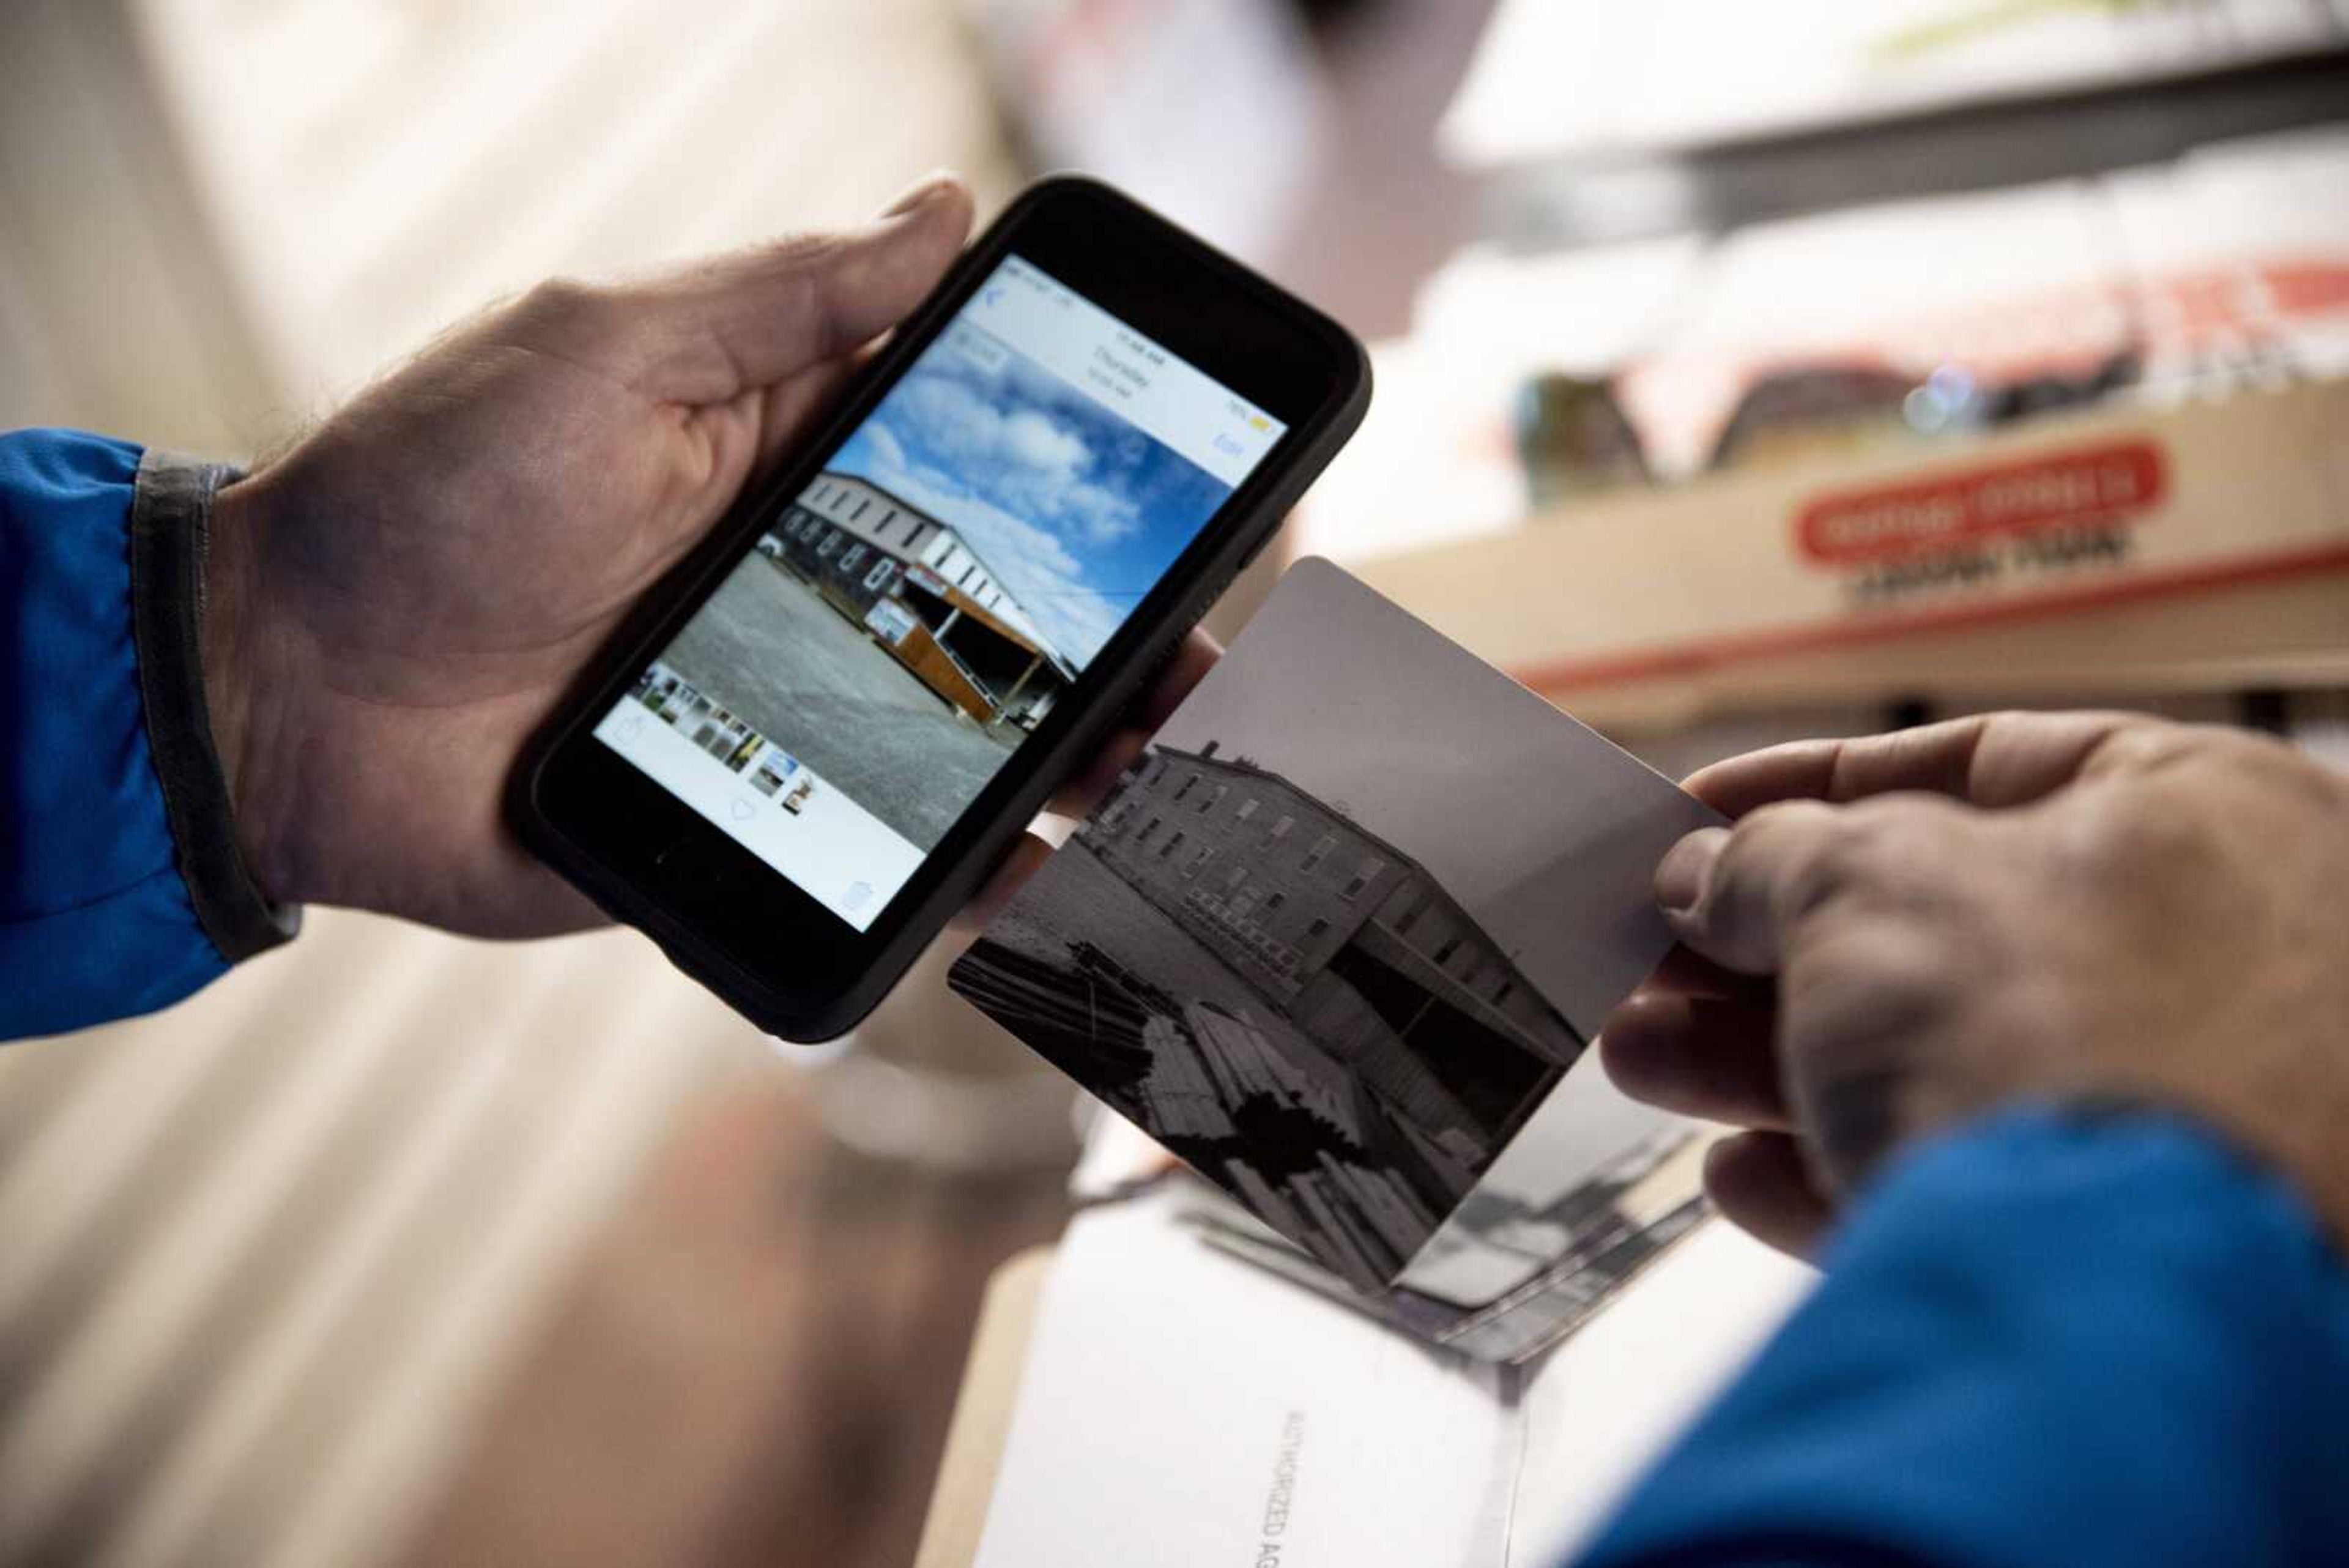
x=2100 y=483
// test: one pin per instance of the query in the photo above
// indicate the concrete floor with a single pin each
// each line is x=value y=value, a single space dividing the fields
x=792 y=666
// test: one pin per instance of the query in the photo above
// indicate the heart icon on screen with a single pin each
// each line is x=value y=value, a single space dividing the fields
x=744 y=810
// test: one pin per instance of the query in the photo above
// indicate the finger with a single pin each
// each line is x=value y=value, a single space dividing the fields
x=1693 y=974
x=1027 y=858
x=1082 y=794
x=1757 y=1182
x=749 y=437
x=1092 y=785
x=1989 y=759
x=1696 y=1056
x=1732 y=894
x=778 y=416
x=712 y=330
x=1193 y=657
x=790 y=406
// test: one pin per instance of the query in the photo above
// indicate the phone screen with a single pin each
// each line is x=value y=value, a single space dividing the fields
x=915 y=612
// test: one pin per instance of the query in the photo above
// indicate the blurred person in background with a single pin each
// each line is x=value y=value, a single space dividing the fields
x=2041 y=1015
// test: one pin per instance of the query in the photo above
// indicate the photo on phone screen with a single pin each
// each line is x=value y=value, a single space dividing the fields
x=916 y=611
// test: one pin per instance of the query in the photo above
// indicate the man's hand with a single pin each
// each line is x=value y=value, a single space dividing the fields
x=398 y=603
x=2076 y=908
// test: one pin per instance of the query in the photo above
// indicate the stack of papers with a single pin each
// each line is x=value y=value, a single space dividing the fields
x=1179 y=1406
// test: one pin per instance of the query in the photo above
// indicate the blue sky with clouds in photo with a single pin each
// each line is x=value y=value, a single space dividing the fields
x=1078 y=512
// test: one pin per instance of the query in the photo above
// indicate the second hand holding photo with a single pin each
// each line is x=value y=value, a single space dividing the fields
x=1342 y=938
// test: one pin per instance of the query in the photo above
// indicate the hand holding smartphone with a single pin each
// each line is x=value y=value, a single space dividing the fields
x=817 y=739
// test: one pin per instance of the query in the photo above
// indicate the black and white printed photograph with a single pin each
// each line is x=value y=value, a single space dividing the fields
x=1342 y=928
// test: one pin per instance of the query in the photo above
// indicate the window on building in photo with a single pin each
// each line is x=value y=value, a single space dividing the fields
x=1319 y=925
x=851 y=557
x=1369 y=868
x=968 y=573
x=1273 y=901
x=913 y=531
x=862 y=508
x=1199 y=861
x=886 y=518
x=831 y=542
x=1170 y=846
x=1238 y=876
x=1246 y=810
x=1508 y=989
x=1188 y=785
x=1443 y=954
x=819 y=491
x=1214 y=800
x=1409 y=917
x=878 y=577
x=1147 y=829
x=1319 y=852
x=1278 y=830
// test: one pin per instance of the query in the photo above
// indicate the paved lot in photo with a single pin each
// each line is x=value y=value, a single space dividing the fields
x=801 y=675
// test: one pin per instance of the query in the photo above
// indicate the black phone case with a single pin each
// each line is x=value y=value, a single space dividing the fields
x=759 y=997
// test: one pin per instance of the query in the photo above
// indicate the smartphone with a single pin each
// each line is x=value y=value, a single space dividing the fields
x=812 y=743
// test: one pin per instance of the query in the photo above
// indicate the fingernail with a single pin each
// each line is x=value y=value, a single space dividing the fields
x=920 y=193
x=1681 y=880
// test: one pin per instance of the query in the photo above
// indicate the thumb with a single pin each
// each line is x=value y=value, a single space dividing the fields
x=1733 y=894
x=717 y=328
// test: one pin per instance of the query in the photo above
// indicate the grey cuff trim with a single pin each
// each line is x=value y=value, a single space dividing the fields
x=170 y=517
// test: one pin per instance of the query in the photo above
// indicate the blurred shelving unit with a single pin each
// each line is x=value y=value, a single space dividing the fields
x=1708 y=214
x=1593 y=124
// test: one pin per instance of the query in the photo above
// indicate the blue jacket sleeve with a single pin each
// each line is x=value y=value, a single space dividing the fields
x=96 y=917
x=2050 y=1338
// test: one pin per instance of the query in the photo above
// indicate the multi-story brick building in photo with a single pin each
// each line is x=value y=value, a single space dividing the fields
x=920 y=589
x=1348 y=938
